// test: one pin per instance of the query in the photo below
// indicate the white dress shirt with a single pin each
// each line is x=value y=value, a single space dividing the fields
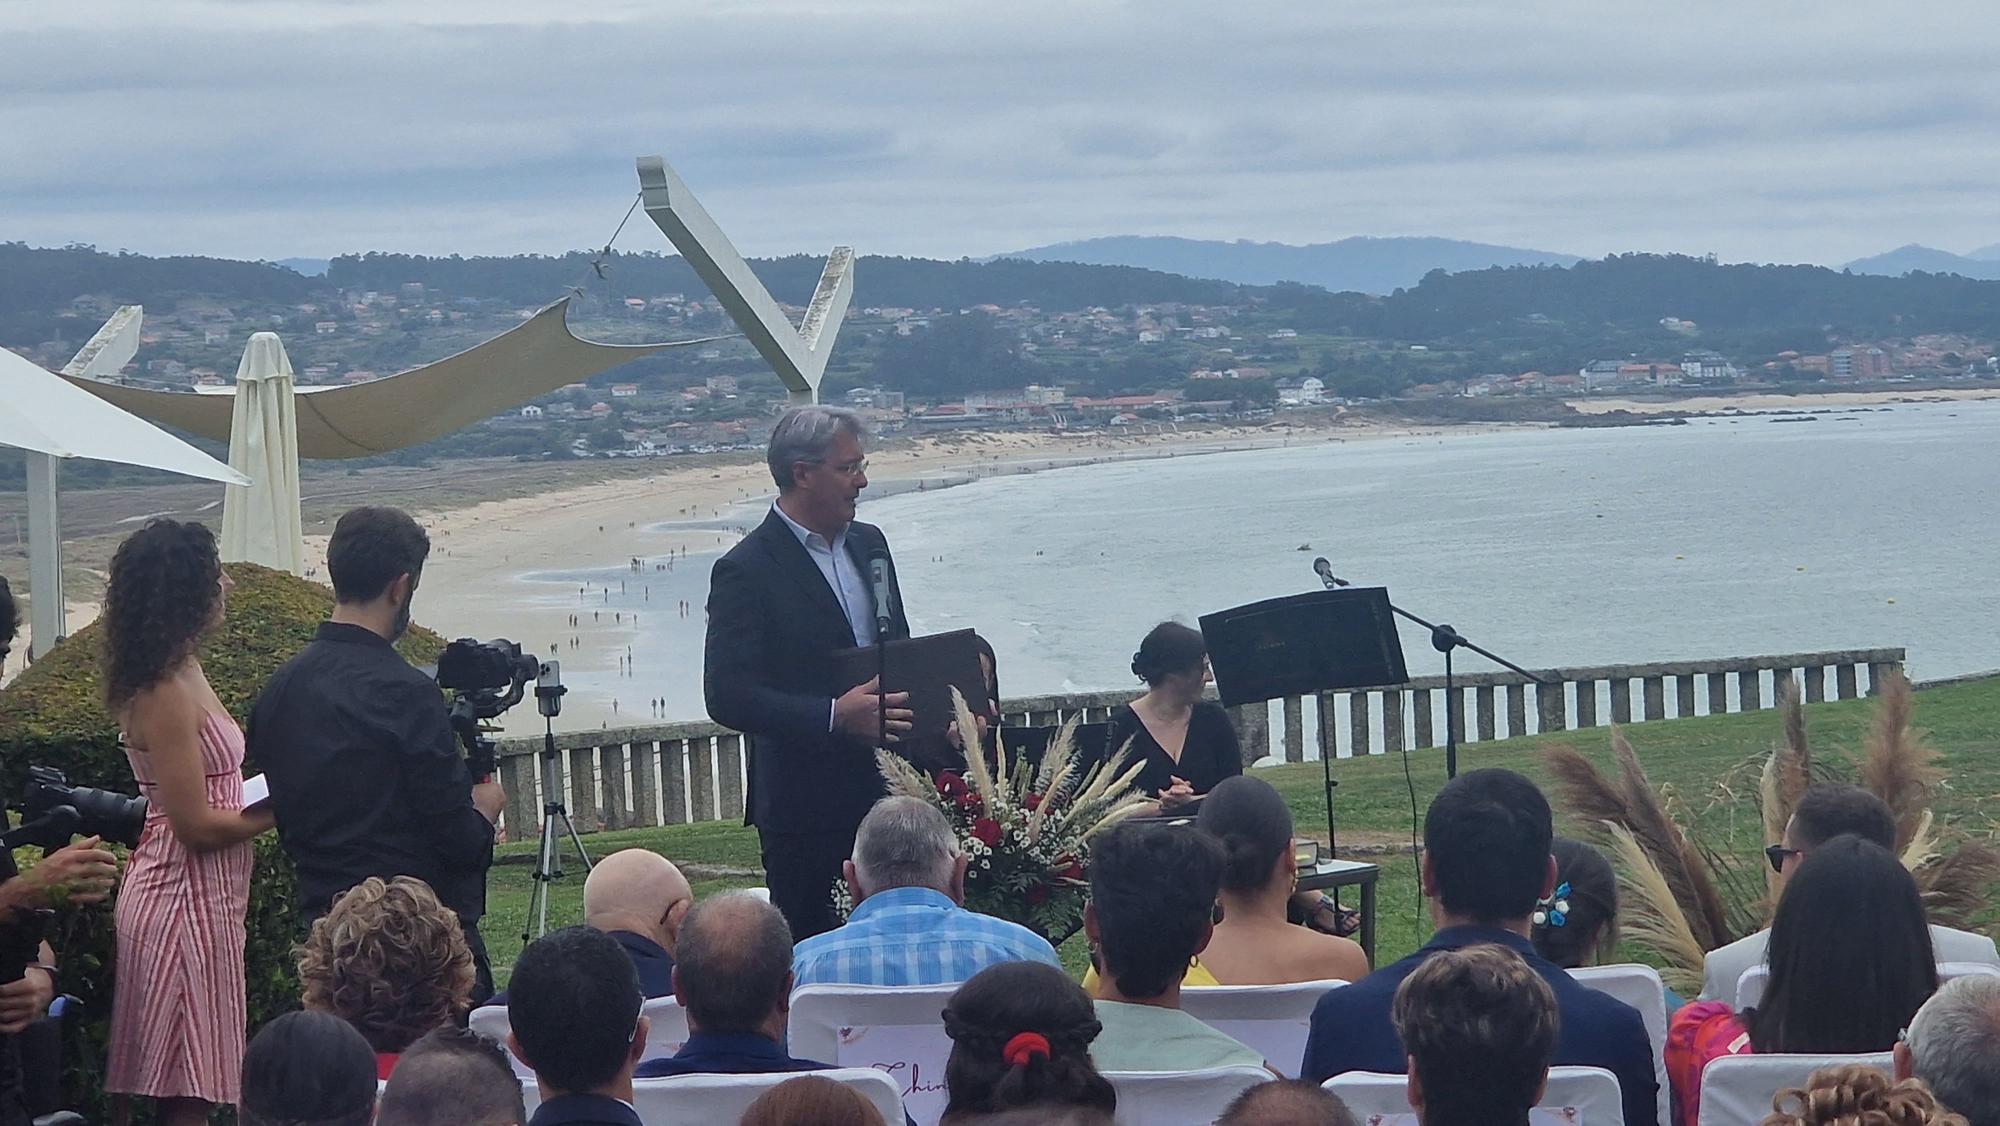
x=850 y=586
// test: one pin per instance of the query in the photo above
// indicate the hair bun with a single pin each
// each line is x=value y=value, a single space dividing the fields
x=1139 y=666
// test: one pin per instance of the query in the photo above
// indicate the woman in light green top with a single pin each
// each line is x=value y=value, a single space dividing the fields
x=1152 y=910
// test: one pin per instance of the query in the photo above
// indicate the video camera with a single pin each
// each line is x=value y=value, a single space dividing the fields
x=486 y=678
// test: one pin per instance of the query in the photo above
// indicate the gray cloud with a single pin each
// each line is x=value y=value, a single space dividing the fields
x=1779 y=131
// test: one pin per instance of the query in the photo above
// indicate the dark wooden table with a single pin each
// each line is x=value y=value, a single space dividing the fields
x=1332 y=875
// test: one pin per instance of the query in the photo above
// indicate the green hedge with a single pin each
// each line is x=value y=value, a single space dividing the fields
x=53 y=714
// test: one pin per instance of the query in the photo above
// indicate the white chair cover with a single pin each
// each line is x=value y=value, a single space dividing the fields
x=717 y=1100
x=896 y=1029
x=1751 y=985
x=1640 y=987
x=1738 y=1090
x=1580 y=1096
x=1180 y=1098
x=1273 y=1019
x=668 y=1032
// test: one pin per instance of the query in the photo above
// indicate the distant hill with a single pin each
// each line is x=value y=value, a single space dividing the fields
x=310 y=267
x=1358 y=265
x=1983 y=264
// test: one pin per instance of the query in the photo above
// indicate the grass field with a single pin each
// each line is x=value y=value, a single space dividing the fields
x=1708 y=765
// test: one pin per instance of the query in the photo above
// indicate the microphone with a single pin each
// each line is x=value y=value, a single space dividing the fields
x=878 y=583
x=1325 y=572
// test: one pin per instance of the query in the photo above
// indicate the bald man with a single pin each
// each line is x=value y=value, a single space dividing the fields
x=640 y=899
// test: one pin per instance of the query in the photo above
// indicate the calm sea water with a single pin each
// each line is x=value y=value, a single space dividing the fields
x=1723 y=537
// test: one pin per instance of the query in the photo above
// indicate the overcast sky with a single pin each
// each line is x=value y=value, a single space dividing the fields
x=1786 y=130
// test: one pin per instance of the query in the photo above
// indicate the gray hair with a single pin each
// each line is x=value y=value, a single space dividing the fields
x=733 y=962
x=806 y=434
x=1955 y=1045
x=904 y=842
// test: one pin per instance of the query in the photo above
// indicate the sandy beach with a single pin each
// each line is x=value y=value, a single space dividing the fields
x=1816 y=400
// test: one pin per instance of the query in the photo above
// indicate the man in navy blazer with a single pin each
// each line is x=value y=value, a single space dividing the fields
x=780 y=604
x=573 y=1016
x=1486 y=864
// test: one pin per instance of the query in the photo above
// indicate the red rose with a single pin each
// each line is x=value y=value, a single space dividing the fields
x=968 y=801
x=1038 y=895
x=987 y=831
x=949 y=783
x=1073 y=872
x=1033 y=803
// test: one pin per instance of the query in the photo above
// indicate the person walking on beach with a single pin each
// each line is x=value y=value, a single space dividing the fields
x=780 y=603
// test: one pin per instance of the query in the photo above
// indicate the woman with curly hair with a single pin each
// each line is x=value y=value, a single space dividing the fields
x=1020 y=1040
x=177 y=1013
x=1856 y=1095
x=390 y=960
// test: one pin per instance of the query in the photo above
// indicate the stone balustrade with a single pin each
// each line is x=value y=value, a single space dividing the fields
x=676 y=773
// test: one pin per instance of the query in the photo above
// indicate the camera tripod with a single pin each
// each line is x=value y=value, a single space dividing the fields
x=556 y=822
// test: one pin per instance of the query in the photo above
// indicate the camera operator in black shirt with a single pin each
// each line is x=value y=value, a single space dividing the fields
x=366 y=776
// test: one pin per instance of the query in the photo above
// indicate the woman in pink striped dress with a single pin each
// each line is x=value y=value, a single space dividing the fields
x=177 y=1010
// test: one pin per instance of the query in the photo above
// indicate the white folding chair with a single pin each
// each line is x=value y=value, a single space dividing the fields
x=1591 y=1093
x=896 y=1029
x=706 y=1100
x=1640 y=987
x=1273 y=1019
x=668 y=1032
x=1751 y=985
x=1737 y=1090
x=1180 y=1098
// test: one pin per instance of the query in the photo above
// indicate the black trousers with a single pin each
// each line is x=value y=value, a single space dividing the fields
x=801 y=869
x=482 y=969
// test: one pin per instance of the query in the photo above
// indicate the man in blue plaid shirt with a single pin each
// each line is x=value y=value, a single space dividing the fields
x=909 y=926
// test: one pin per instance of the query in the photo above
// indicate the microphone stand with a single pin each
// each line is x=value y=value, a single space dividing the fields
x=1444 y=639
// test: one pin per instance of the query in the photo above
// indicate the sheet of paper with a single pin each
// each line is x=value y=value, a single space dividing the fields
x=256 y=791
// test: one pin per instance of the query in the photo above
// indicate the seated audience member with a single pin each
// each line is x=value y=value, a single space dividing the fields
x=1577 y=925
x=639 y=898
x=1825 y=811
x=1186 y=744
x=908 y=926
x=1954 y=1045
x=1020 y=1040
x=453 y=1077
x=390 y=960
x=1480 y=1029
x=573 y=1018
x=1859 y=1096
x=734 y=981
x=811 y=1100
x=1286 y=1102
x=308 y=1069
x=1850 y=959
x=1486 y=863
x=1255 y=944
x=1152 y=908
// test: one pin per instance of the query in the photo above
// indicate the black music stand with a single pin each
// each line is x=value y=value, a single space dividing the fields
x=1303 y=645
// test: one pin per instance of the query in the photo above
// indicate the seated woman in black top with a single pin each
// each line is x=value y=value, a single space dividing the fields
x=1186 y=743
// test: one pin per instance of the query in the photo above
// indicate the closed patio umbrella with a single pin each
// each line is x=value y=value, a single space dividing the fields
x=260 y=524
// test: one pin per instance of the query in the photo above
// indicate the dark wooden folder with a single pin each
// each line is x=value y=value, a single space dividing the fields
x=928 y=668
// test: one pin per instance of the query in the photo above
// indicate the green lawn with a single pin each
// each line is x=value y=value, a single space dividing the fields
x=1709 y=765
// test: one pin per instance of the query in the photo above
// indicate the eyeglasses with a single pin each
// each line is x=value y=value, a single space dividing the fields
x=845 y=468
x=1778 y=854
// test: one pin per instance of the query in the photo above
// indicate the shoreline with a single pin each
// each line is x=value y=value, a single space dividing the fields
x=1766 y=402
x=501 y=568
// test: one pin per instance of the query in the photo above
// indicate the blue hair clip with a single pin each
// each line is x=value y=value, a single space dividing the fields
x=1553 y=911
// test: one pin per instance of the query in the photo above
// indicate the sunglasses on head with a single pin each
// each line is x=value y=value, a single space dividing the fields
x=1778 y=854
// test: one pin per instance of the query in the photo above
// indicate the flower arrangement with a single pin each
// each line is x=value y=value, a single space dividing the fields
x=1025 y=829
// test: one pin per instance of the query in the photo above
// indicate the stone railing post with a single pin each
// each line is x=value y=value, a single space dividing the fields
x=1718 y=693
x=1815 y=683
x=1683 y=696
x=1392 y=721
x=583 y=789
x=1586 y=704
x=1482 y=697
x=1420 y=708
x=1750 y=689
x=1549 y=703
x=1295 y=734
x=1844 y=684
x=1621 y=700
x=1359 y=740
x=1253 y=729
x=1517 y=710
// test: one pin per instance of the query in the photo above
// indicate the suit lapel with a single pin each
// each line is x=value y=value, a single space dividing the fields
x=785 y=547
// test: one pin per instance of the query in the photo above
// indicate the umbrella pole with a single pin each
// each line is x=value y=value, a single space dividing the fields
x=46 y=605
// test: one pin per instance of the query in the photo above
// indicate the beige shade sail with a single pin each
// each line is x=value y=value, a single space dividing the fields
x=261 y=524
x=412 y=407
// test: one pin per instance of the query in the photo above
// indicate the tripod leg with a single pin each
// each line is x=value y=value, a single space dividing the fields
x=577 y=840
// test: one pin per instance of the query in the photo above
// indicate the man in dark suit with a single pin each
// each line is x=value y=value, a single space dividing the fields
x=780 y=604
x=1486 y=864
x=573 y=1017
